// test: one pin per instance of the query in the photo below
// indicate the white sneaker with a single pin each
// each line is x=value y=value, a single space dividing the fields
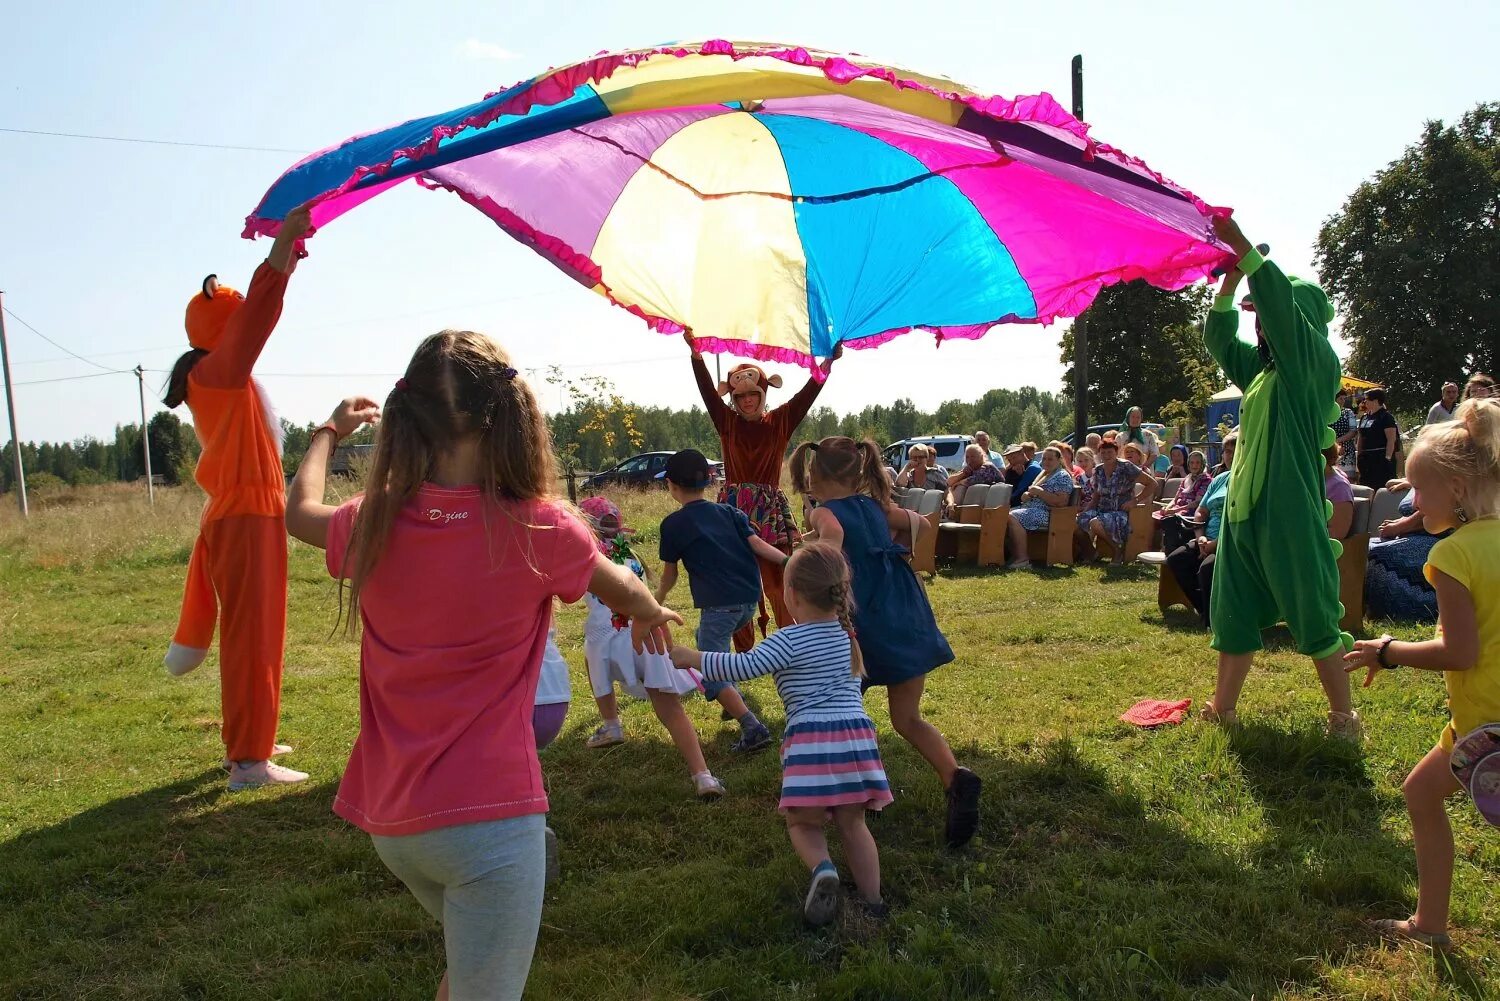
x=275 y=750
x=607 y=735
x=707 y=787
x=1153 y=559
x=252 y=774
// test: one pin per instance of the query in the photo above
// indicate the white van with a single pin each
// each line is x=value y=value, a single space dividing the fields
x=950 y=450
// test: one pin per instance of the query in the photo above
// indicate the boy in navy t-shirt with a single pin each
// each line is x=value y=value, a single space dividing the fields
x=717 y=545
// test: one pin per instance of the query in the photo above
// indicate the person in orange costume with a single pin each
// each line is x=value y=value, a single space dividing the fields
x=237 y=573
x=755 y=440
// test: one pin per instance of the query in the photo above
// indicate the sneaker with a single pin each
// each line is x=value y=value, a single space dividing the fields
x=1345 y=726
x=1018 y=565
x=1407 y=931
x=752 y=739
x=554 y=864
x=608 y=735
x=963 y=808
x=706 y=787
x=1153 y=559
x=876 y=912
x=822 y=903
x=275 y=750
x=253 y=774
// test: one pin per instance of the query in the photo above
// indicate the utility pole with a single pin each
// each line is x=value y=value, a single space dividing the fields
x=1080 y=322
x=10 y=406
x=140 y=378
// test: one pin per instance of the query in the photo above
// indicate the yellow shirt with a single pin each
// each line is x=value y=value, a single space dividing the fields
x=1471 y=556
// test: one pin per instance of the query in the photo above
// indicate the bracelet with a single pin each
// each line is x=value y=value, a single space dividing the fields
x=1385 y=665
x=325 y=427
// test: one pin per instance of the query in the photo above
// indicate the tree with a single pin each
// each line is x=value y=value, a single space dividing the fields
x=1413 y=260
x=1146 y=350
x=168 y=452
x=1034 y=427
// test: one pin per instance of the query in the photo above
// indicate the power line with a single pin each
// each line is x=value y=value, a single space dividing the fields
x=153 y=142
x=103 y=354
x=59 y=347
x=71 y=378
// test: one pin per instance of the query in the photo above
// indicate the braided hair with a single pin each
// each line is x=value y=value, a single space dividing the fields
x=820 y=576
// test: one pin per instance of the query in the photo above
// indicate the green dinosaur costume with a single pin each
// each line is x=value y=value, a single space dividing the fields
x=1276 y=562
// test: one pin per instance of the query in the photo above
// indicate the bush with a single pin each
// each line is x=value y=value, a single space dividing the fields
x=86 y=477
x=45 y=483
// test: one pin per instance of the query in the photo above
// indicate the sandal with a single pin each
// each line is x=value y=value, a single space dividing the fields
x=1407 y=931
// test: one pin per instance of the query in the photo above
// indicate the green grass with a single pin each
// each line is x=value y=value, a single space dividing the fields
x=1111 y=863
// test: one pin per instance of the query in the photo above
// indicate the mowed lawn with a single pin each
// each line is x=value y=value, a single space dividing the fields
x=1111 y=863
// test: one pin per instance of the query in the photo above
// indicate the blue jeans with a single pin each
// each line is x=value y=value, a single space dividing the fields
x=716 y=629
x=483 y=882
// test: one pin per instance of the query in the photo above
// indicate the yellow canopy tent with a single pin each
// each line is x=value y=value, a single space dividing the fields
x=1359 y=385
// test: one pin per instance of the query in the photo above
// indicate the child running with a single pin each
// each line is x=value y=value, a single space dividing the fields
x=719 y=548
x=897 y=634
x=612 y=660
x=830 y=761
x=1455 y=477
x=453 y=555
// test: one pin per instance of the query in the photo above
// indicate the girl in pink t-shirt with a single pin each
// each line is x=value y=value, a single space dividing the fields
x=453 y=556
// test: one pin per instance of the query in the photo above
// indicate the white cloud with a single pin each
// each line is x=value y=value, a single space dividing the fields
x=473 y=48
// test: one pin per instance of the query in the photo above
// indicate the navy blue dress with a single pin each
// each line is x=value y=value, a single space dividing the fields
x=898 y=637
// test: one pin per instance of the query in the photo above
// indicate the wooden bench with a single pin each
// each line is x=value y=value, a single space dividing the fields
x=1352 y=564
x=977 y=531
x=1053 y=545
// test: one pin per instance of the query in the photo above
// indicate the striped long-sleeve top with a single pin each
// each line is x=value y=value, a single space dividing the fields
x=810 y=665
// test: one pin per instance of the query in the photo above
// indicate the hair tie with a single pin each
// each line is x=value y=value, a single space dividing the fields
x=812 y=445
x=401 y=384
x=507 y=373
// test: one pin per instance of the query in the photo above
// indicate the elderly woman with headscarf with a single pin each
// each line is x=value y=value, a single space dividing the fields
x=1132 y=430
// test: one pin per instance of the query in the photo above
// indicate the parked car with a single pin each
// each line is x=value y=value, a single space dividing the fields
x=649 y=469
x=1160 y=430
x=950 y=450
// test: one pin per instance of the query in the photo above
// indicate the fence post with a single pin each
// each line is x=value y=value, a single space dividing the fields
x=572 y=488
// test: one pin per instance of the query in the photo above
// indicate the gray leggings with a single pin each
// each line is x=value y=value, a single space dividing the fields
x=484 y=883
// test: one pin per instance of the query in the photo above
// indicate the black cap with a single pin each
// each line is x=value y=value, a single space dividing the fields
x=688 y=469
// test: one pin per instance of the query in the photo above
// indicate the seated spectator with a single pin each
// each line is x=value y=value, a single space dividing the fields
x=1340 y=493
x=937 y=473
x=1107 y=523
x=1087 y=463
x=1092 y=442
x=1176 y=463
x=1134 y=453
x=1015 y=469
x=1028 y=448
x=1068 y=458
x=1192 y=545
x=1133 y=430
x=1396 y=587
x=977 y=469
x=1190 y=492
x=1479 y=387
x=1053 y=488
x=1226 y=453
x=921 y=470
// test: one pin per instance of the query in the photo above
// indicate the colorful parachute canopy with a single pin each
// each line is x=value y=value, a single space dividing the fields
x=778 y=201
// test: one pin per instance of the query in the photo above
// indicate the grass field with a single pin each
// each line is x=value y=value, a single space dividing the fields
x=1111 y=863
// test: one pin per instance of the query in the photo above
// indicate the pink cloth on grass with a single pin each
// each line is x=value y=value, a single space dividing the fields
x=455 y=618
x=1156 y=712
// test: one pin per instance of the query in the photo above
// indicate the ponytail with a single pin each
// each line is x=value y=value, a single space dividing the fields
x=799 y=466
x=177 y=385
x=855 y=465
x=877 y=482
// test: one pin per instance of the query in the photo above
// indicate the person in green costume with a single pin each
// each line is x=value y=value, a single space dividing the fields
x=1276 y=562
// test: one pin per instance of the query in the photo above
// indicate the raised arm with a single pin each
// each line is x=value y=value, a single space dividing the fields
x=790 y=413
x=1221 y=335
x=1289 y=334
x=230 y=363
x=706 y=388
x=307 y=517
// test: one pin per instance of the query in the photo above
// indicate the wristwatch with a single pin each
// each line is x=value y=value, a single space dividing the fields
x=1385 y=665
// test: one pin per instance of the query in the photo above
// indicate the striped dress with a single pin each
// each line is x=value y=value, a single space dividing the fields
x=828 y=754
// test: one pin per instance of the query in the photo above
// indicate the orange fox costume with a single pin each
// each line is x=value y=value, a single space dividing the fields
x=237 y=574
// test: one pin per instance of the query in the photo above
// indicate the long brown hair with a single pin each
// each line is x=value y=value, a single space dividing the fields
x=177 y=385
x=849 y=463
x=820 y=576
x=459 y=384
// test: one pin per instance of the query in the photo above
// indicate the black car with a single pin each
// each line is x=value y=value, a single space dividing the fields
x=637 y=471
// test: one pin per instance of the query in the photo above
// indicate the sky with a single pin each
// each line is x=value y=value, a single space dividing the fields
x=1278 y=110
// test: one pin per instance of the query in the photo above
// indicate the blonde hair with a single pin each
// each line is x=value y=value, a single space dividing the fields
x=849 y=463
x=458 y=384
x=820 y=576
x=1467 y=448
x=1086 y=453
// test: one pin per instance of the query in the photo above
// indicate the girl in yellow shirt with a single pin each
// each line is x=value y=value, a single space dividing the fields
x=1455 y=476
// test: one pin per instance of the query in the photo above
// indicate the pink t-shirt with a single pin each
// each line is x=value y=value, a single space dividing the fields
x=455 y=620
x=1337 y=487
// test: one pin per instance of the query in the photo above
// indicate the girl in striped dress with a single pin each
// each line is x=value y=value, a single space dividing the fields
x=831 y=765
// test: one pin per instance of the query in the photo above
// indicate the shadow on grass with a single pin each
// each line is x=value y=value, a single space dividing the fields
x=1073 y=888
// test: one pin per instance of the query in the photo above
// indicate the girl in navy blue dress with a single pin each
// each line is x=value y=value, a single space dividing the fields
x=895 y=629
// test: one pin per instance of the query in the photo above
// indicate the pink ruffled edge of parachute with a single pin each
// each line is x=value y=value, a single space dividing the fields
x=556 y=86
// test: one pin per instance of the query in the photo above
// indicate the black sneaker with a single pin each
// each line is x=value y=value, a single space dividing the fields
x=752 y=739
x=823 y=898
x=963 y=808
